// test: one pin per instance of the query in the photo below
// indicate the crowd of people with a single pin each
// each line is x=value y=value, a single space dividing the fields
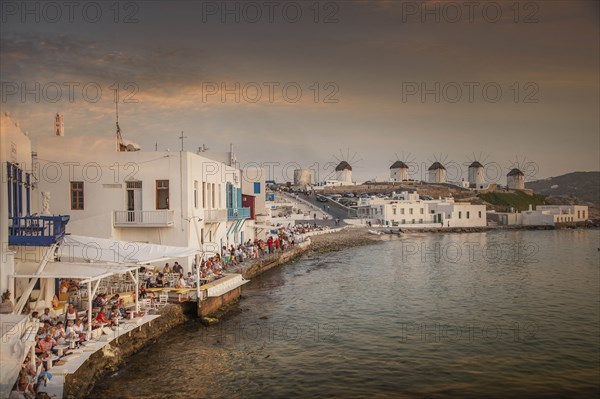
x=57 y=336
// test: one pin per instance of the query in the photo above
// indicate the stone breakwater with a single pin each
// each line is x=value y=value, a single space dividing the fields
x=112 y=356
x=345 y=238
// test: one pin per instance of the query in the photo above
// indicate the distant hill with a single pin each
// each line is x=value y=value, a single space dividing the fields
x=583 y=185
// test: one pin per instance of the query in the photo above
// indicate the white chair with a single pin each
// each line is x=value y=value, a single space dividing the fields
x=147 y=303
x=163 y=300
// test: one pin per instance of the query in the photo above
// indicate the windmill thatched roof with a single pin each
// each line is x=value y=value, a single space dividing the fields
x=343 y=166
x=436 y=166
x=476 y=164
x=515 y=172
x=399 y=165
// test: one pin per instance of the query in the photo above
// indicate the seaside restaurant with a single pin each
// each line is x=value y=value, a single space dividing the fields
x=84 y=267
x=94 y=265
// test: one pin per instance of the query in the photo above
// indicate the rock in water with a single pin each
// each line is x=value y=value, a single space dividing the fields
x=209 y=320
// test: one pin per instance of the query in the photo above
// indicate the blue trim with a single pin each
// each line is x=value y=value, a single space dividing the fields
x=37 y=230
x=9 y=184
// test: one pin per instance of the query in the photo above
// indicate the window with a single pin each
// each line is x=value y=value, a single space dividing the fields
x=204 y=195
x=196 y=194
x=468 y=214
x=256 y=187
x=421 y=221
x=422 y=211
x=77 y=195
x=459 y=214
x=410 y=211
x=394 y=211
x=479 y=214
x=402 y=211
x=162 y=194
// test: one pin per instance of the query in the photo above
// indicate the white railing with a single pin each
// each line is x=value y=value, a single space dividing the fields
x=160 y=218
x=215 y=215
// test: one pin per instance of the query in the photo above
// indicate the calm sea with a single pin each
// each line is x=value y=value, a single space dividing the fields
x=492 y=315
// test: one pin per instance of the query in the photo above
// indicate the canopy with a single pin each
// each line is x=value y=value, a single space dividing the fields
x=81 y=248
x=83 y=271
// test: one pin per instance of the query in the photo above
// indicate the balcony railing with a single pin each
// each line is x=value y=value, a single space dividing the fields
x=38 y=231
x=215 y=215
x=159 y=218
x=238 y=213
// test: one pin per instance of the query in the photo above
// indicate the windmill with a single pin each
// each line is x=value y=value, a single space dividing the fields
x=436 y=173
x=400 y=168
x=343 y=170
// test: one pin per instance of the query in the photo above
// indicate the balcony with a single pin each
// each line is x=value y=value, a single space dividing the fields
x=159 y=218
x=215 y=215
x=39 y=231
x=238 y=213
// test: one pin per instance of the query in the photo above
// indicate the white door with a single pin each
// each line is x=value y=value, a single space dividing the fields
x=134 y=202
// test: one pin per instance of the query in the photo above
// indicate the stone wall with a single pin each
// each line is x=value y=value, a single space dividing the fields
x=270 y=261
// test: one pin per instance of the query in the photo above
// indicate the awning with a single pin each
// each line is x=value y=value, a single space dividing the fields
x=80 y=248
x=85 y=272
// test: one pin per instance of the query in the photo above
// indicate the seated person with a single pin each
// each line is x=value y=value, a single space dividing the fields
x=59 y=333
x=101 y=319
x=121 y=308
x=114 y=315
x=160 y=280
x=191 y=280
x=75 y=329
x=181 y=282
x=44 y=345
x=167 y=269
x=46 y=315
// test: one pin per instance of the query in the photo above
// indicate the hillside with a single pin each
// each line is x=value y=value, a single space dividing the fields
x=519 y=200
x=583 y=185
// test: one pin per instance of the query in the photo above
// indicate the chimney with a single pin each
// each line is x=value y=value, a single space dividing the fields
x=530 y=208
x=59 y=125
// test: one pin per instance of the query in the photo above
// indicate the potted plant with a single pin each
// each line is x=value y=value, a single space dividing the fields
x=6 y=306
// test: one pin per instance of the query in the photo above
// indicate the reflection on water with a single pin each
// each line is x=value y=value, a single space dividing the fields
x=497 y=314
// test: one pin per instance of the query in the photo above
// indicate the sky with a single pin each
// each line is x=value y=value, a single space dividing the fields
x=307 y=83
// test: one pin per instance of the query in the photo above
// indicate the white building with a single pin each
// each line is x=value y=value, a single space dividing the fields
x=254 y=194
x=515 y=179
x=171 y=198
x=399 y=171
x=436 y=173
x=553 y=214
x=407 y=210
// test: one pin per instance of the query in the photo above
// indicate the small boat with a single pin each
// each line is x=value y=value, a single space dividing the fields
x=375 y=232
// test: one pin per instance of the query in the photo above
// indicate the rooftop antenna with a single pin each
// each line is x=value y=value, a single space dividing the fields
x=181 y=138
x=120 y=143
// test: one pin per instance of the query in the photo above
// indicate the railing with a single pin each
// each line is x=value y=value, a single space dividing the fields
x=215 y=215
x=160 y=218
x=238 y=213
x=36 y=230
